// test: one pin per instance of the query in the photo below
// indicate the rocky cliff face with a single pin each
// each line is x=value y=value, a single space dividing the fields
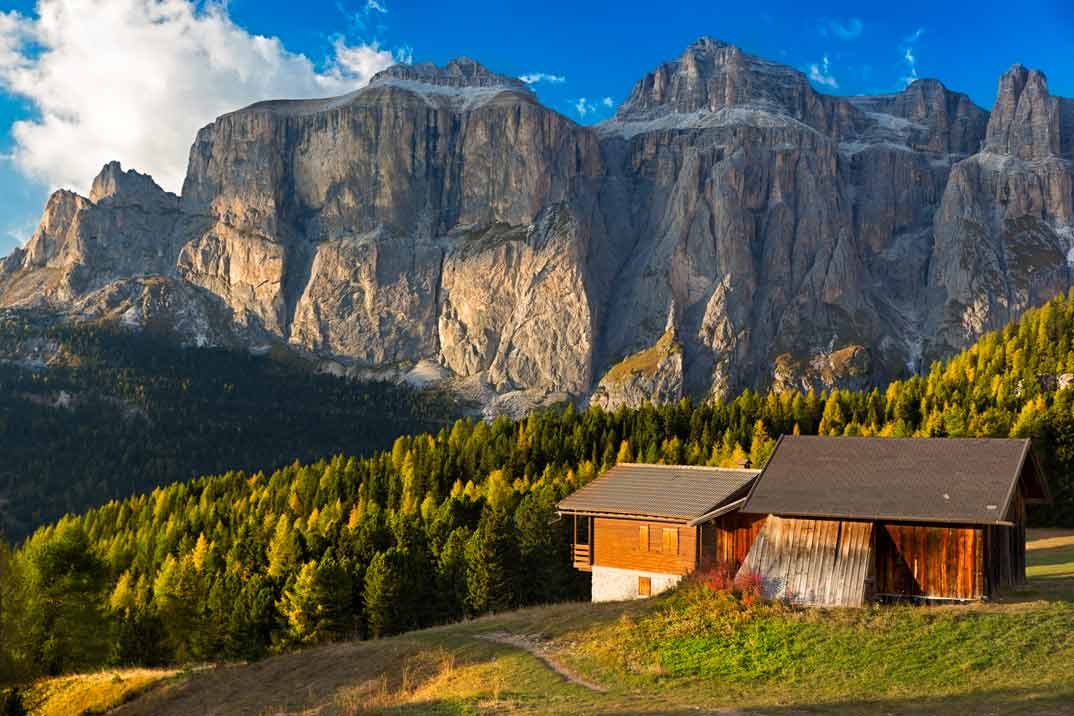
x=441 y=223
x=1004 y=231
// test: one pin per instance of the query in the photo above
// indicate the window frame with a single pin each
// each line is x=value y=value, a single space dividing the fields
x=645 y=586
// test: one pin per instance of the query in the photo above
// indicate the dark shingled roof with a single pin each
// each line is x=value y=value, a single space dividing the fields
x=963 y=480
x=677 y=492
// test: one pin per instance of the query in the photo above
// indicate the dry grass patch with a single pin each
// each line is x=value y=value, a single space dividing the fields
x=96 y=693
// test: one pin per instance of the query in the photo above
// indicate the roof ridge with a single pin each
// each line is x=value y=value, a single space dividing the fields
x=687 y=467
x=896 y=438
x=939 y=480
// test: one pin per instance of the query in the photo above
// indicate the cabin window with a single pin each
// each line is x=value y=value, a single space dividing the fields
x=643 y=538
x=645 y=586
x=671 y=540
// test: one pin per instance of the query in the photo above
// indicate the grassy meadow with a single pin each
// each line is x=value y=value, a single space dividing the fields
x=688 y=652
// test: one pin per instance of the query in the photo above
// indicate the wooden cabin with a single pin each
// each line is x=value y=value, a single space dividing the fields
x=850 y=520
x=640 y=528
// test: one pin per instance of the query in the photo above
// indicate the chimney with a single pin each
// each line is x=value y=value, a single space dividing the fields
x=744 y=463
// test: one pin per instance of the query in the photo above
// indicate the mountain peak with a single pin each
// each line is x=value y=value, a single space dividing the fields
x=706 y=43
x=1027 y=122
x=711 y=75
x=115 y=187
x=461 y=72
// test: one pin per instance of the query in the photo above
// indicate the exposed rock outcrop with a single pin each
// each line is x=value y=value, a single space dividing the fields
x=653 y=375
x=440 y=224
x=129 y=227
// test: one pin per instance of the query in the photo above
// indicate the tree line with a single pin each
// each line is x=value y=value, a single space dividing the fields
x=109 y=413
x=457 y=522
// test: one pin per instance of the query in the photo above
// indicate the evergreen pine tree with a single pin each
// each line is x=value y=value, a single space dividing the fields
x=451 y=576
x=383 y=596
x=491 y=564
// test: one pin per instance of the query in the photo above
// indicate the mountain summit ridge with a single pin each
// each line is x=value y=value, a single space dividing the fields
x=441 y=224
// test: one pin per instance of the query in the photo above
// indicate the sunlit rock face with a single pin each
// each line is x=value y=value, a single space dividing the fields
x=1005 y=228
x=442 y=221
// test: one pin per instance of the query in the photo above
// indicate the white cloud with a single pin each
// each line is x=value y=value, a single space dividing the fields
x=587 y=108
x=535 y=77
x=369 y=15
x=20 y=234
x=911 y=66
x=167 y=68
x=822 y=74
x=909 y=58
x=584 y=107
x=845 y=30
x=405 y=55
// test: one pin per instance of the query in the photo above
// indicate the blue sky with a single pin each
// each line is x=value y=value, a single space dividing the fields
x=92 y=80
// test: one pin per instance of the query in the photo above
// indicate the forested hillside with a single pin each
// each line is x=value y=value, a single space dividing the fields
x=457 y=522
x=94 y=412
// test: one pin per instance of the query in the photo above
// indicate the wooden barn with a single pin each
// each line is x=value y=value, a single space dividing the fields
x=851 y=520
x=640 y=528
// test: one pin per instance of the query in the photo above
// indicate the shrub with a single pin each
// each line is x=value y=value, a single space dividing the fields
x=12 y=703
x=726 y=578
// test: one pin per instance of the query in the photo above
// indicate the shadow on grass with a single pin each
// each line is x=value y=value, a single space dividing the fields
x=1005 y=702
x=1051 y=556
x=1008 y=702
x=1055 y=584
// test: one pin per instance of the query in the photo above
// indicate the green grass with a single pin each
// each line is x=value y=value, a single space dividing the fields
x=691 y=651
x=644 y=362
x=1051 y=555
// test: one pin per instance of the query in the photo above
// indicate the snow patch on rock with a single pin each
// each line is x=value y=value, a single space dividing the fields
x=701 y=119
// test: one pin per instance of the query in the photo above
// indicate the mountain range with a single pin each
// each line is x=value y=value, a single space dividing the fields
x=728 y=227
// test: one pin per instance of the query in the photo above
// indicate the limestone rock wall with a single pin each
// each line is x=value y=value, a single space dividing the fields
x=442 y=217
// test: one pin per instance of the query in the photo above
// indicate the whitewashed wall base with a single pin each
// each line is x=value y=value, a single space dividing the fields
x=611 y=584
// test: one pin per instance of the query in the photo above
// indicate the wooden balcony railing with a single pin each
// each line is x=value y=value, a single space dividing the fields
x=583 y=557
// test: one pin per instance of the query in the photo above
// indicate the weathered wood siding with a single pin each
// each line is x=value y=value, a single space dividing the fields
x=1006 y=549
x=727 y=539
x=935 y=561
x=820 y=562
x=617 y=543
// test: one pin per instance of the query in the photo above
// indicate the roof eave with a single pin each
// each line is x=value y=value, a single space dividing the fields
x=967 y=521
x=683 y=519
x=1017 y=477
x=759 y=477
x=1048 y=498
x=719 y=511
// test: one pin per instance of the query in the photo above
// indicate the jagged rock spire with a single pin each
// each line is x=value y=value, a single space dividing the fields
x=115 y=187
x=1026 y=119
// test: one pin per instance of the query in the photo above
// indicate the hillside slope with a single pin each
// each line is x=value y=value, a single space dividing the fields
x=694 y=651
x=461 y=522
x=90 y=413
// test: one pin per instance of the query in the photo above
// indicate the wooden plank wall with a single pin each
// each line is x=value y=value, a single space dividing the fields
x=727 y=539
x=616 y=544
x=943 y=562
x=1006 y=549
x=820 y=562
